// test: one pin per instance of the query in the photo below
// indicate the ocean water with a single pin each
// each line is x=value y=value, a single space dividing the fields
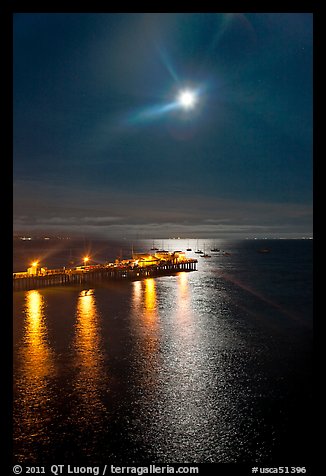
x=199 y=367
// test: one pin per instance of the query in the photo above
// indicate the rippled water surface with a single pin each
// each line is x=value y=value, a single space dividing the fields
x=207 y=366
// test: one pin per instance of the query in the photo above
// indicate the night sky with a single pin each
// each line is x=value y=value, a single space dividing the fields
x=96 y=150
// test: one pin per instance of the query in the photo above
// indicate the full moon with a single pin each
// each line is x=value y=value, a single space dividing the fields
x=187 y=99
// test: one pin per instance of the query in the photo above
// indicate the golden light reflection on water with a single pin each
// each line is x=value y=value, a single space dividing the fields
x=144 y=313
x=37 y=353
x=90 y=376
x=184 y=315
x=144 y=301
x=33 y=395
x=136 y=295
x=183 y=290
x=150 y=300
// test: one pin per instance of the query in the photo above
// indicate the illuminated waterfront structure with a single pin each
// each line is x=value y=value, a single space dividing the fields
x=141 y=265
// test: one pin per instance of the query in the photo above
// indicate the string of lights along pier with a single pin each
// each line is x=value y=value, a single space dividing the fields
x=141 y=265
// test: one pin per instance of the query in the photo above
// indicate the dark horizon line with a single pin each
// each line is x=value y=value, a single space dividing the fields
x=59 y=236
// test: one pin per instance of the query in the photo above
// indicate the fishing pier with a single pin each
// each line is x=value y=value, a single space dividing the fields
x=139 y=267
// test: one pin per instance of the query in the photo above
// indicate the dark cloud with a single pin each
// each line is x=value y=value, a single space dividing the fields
x=128 y=214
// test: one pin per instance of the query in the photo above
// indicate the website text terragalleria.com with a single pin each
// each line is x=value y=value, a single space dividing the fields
x=107 y=469
x=111 y=469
